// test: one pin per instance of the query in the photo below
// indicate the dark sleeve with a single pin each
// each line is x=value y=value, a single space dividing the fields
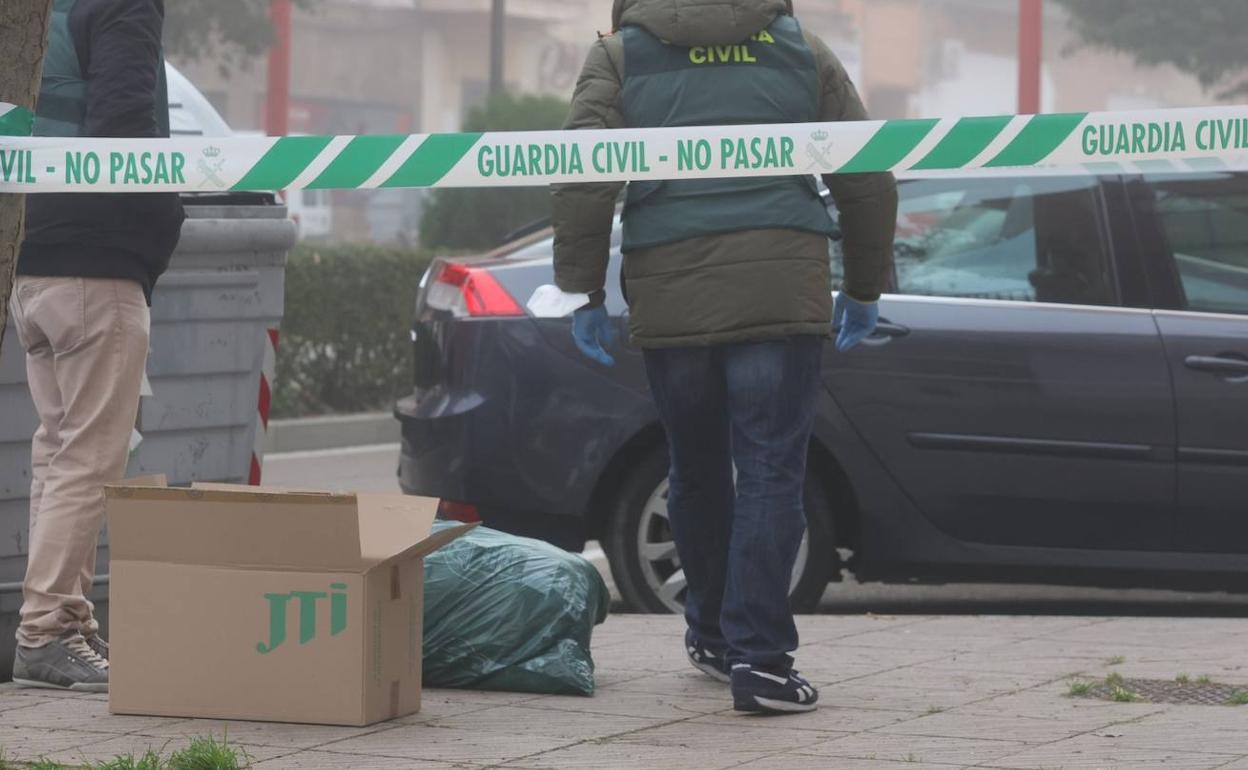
x=867 y=202
x=119 y=45
x=583 y=214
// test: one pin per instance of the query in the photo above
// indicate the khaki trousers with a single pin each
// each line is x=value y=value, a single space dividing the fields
x=86 y=342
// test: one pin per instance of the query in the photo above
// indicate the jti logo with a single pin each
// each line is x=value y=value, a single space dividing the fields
x=307 y=615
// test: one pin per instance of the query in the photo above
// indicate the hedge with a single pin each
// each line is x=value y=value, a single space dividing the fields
x=346 y=343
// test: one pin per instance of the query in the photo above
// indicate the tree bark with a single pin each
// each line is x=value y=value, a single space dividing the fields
x=23 y=41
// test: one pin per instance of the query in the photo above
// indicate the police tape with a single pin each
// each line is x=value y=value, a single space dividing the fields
x=1154 y=140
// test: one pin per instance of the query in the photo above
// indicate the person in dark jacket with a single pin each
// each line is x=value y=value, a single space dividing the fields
x=85 y=276
x=730 y=296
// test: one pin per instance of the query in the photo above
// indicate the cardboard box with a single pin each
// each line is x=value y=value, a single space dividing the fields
x=260 y=604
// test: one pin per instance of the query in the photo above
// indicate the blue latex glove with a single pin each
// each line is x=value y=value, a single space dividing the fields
x=593 y=333
x=856 y=321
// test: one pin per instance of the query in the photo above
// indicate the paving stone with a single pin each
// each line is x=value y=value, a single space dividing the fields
x=922 y=748
x=277 y=735
x=1169 y=633
x=11 y=702
x=138 y=745
x=686 y=682
x=323 y=760
x=1212 y=729
x=1052 y=667
x=981 y=683
x=818 y=629
x=807 y=762
x=959 y=723
x=613 y=755
x=10 y=690
x=1018 y=627
x=911 y=637
x=605 y=678
x=1052 y=702
x=520 y=720
x=1091 y=752
x=27 y=744
x=449 y=744
x=827 y=718
x=636 y=704
x=434 y=706
x=1227 y=667
x=748 y=737
x=856 y=696
x=489 y=698
x=829 y=662
x=995 y=683
x=81 y=714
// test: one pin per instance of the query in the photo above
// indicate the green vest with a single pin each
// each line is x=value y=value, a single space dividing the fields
x=62 y=108
x=771 y=78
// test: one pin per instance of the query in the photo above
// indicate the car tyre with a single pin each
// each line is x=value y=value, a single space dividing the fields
x=647 y=584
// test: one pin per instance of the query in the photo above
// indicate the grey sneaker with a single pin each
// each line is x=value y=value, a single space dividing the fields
x=69 y=663
x=98 y=645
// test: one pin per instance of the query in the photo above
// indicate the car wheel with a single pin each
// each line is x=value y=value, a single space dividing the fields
x=643 y=555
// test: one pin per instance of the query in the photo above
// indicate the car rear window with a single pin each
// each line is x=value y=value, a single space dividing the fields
x=1206 y=221
x=1009 y=239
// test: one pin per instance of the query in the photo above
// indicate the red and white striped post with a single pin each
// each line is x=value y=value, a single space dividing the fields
x=1030 y=55
x=268 y=371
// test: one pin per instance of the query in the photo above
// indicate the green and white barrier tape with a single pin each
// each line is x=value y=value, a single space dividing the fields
x=1153 y=140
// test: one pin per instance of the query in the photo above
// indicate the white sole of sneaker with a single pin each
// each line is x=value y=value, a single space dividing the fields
x=712 y=672
x=784 y=706
x=79 y=687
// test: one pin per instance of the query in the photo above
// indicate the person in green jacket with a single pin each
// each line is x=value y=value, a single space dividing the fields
x=730 y=296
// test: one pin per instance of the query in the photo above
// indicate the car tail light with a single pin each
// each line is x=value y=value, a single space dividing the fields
x=469 y=292
x=462 y=512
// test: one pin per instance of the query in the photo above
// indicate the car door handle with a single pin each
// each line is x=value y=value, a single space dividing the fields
x=1225 y=365
x=887 y=328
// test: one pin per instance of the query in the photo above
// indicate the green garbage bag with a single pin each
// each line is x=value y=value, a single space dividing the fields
x=510 y=613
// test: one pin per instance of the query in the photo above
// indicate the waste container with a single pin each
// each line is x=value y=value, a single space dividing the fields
x=212 y=314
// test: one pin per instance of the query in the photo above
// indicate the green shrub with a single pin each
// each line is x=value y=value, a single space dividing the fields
x=346 y=344
x=480 y=219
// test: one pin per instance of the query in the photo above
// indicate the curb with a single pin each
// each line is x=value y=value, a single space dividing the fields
x=334 y=432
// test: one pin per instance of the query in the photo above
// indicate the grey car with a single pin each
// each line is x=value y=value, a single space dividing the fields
x=1058 y=392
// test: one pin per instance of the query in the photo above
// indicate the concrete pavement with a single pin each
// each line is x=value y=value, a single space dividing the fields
x=897 y=692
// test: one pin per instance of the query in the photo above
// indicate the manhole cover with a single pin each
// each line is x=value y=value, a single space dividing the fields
x=1192 y=693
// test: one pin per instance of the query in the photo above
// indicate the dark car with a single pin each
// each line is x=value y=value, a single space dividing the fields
x=1058 y=392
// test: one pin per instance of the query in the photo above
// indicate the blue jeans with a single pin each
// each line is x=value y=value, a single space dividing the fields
x=751 y=404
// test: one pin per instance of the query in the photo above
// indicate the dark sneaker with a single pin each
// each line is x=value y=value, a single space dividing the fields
x=69 y=663
x=765 y=692
x=709 y=663
x=98 y=645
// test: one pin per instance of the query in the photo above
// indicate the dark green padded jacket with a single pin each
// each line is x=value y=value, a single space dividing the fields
x=747 y=284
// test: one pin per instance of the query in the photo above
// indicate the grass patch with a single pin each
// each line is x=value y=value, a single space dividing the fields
x=935 y=710
x=1240 y=698
x=208 y=754
x=1204 y=680
x=1183 y=679
x=149 y=761
x=1117 y=660
x=1079 y=689
x=1122 y=695
x=202 y=754
x=1115 y=680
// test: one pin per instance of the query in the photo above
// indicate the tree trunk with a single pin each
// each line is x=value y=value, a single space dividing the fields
x=23 y=39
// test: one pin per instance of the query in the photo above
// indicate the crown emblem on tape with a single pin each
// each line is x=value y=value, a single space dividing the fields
x=820 y=136
x=212 y=152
